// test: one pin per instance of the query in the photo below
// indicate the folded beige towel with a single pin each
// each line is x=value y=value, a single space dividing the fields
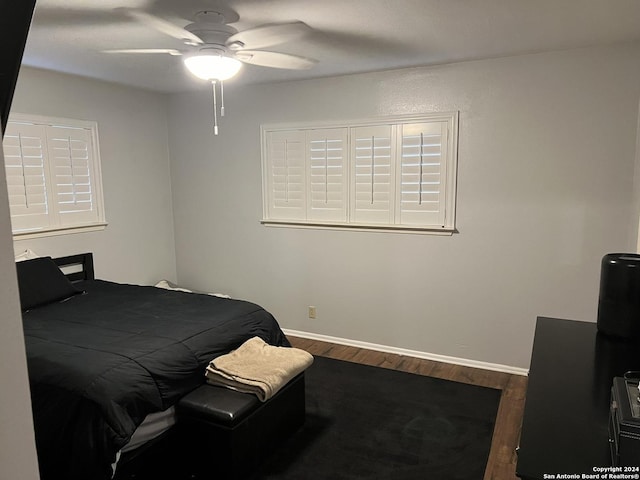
x=257 y=367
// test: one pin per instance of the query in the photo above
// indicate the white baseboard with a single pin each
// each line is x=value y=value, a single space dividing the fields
x=409 y=353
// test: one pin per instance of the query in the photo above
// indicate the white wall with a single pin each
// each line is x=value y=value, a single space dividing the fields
x=545 y=187
x=18 y=458
x=137 y=246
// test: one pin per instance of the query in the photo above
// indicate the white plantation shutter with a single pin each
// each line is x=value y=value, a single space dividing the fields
x=422 y=171
x=53 y=174
x=25 y=157
x=327 y=175
x=396 y=174
x=286 y=184
x=373 y=175
x=72 y=176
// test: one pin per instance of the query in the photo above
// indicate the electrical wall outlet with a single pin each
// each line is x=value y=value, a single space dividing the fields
x=312 y=312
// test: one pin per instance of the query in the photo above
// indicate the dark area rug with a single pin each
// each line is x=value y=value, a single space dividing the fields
x=373 y=423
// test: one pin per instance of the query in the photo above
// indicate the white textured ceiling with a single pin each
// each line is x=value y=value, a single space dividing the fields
x=349 y=36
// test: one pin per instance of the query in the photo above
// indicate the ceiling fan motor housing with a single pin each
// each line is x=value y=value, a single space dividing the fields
x=210 y=27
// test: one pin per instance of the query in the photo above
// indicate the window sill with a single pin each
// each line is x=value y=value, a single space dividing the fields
x=361 y=227
x=28 y=234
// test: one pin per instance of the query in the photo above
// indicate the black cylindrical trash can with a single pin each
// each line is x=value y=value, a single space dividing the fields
x=619 y=302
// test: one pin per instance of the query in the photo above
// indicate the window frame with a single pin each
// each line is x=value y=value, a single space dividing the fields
x=56 y=226
x=396 y=123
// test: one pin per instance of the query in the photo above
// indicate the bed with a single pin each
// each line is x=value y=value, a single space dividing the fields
x=105 y=356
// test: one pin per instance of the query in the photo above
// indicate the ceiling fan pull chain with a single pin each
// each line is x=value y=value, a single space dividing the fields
x=215 y=108
x=221 y=98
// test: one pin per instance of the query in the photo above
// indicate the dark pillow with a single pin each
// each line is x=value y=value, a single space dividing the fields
x=41 y=282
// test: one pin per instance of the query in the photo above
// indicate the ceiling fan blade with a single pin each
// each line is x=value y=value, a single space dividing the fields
x=170 y=51
x=161 y=25
x=275 y=60
x=268 y=35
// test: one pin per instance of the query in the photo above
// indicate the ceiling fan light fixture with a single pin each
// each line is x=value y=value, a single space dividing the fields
x=212 y=67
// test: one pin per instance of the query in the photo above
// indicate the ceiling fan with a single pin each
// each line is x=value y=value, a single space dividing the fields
x=215 y=50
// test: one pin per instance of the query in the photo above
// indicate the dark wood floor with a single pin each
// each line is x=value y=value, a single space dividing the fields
x=502 y=459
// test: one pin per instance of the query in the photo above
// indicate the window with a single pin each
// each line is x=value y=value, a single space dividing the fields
x=399 y=174
x=53 y=175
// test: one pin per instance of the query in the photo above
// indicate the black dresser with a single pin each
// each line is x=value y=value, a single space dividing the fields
x=565 y=424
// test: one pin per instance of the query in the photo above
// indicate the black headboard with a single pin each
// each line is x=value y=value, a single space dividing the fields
x=79 y=267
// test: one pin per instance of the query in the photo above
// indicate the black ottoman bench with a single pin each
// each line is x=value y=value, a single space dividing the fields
x=227 y=434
